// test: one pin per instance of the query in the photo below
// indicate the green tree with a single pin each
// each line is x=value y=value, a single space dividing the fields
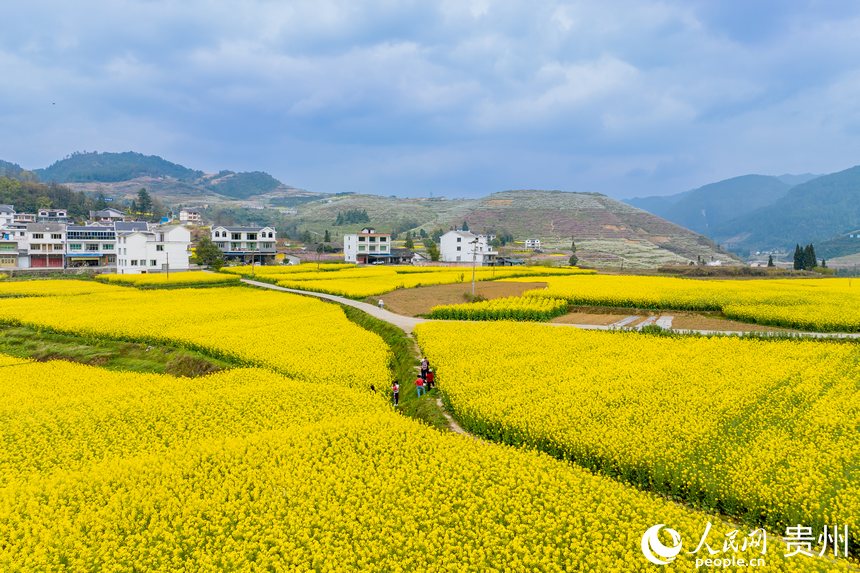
x=573 y=260
x=422 y=233
x=573 y=246
x=144 y=202
x=326 y=237
x=770 y=261
x=208 y=254
x=101 y=202
x=433 y=251
x=465 y=226
x=410 y=244
x=798 y=257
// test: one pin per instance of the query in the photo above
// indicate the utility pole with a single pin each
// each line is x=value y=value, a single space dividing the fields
x=474 y=262
x=167 y=255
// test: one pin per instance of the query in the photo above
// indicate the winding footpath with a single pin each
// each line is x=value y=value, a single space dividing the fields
x=408 y=323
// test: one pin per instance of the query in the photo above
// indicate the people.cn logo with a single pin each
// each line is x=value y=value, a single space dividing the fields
x=653 y=548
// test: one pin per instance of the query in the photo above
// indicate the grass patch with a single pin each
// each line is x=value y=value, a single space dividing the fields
x=403 y=367
x=28 y=342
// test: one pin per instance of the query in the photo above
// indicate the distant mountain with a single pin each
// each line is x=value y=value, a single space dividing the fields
x=113 y=167
x=122 y=173
x=712 y=206
x=797 y=179
x=243 y=185
x=15 y=171
x=815 y=211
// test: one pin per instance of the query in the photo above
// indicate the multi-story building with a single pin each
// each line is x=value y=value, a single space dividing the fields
x=90 y=246
x=155 y=249
x=247 y=244
x=192 y=216
x=533 y=244
x=45 y=245
x=52 y=216
x=24 y=218
x=466 y=247
x=7 y=215
x=367 y=247
x=108 y=215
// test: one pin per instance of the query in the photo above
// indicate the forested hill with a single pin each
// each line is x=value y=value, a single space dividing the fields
x=29 y=196
x=112 y=167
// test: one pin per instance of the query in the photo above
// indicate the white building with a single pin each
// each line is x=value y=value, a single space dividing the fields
x=7 y=215
x=533 y=244
x=366 y=247
x=46 y=246
x=52 y=216
x=190 y=216
x=108 y=215
x=247 y=244
x=466 y=247
x=152 y=249
x=90 y=246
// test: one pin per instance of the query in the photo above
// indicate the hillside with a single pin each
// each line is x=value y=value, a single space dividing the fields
x=815 y=211
x=714 y=205
x=113 y=167
x=607 y=232
x=15 y=171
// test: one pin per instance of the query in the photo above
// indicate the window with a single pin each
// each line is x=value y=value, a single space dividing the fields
x=108 y=246
x=372 y=248
x=159 y=247
x=35 y=247
x=458 y=256
x=153 y=263
x=362 y=247
x=458 y=249
x=252 y=236
x=252 y=246
x=361 y=239
x=56 y=236
x=92 y=247
x=459 y=239
x=133 y=263
x=38 y=236
x=236 y=236
x=372 y=239
x=75 y=246
x=383 y=239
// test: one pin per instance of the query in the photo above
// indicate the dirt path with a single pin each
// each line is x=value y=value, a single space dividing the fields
x=419 y=300
x=452 y=423
x=405 y=323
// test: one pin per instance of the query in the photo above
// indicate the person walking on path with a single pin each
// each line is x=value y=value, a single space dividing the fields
x=431 y=380
x=381 y=304
x=419 y=386
x=425 y=366
x=395 y=391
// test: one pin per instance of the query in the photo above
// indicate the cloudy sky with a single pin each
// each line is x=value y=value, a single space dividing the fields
x=455 y=97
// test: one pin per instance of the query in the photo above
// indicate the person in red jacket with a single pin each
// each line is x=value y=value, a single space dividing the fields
x=395 y=391
x=419 y=386
x=431 y=380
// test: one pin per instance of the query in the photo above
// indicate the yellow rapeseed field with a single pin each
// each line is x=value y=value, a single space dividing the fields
x=505 y=308
x=361 y=282
x=303 y=338
x=765 y=430
x=165 y=280
x=246 y=470
x=815 y=304
x=49 y=287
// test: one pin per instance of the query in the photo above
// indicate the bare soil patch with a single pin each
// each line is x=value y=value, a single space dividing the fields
x=590 y=318
x=416 y=301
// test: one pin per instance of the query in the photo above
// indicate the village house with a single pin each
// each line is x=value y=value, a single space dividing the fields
x=466 y=247
x=367 y=247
